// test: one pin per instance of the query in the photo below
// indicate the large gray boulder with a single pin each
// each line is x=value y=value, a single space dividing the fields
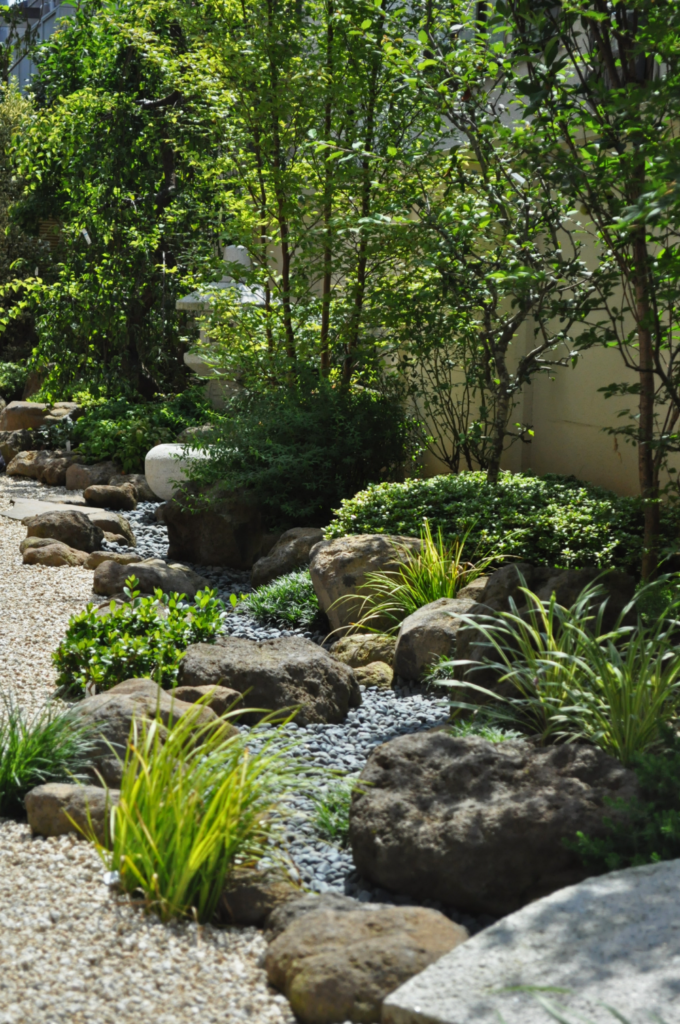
x=57 y=808
x=152 y=574
x=275 y=675
x=111 y=714
x=336 y=965
x=73 y=528
x=215 y=529
x=290 y=552
x=611 y=941
x=477 y=825
x=338 y=569
x=430 y=634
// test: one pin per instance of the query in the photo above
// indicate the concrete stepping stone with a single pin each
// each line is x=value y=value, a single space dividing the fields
x=24 y=507
x=609 y=941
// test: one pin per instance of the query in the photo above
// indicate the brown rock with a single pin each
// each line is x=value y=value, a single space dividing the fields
x=250 y=896
x=275 y=675
x=290 y=552
x=78 y=477
x=284 y=915
x=338 y=569
x=122 y=558
x=72 y=528
x=54 y=553
x=476 y=825
x=222 y=528
x=139 y=482
x=430 y=634
x=30 y=464
x=54 y=473
x=339 y=966
x=14 y=441
x=106 y=496
x=377 y=673
x=111 y=715
x=153 y=574
x=58 y=808
x=113 y=523
x=221 y=698
x=30 y=415
x=360 y=649
x=35 y=542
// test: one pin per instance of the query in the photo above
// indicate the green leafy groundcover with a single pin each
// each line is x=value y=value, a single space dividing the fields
x=549 y=520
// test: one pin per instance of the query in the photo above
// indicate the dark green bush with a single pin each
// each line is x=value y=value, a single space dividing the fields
x=548 y=520
x=49 y=747
x=146 y=636
x=125 y=430
x=288 y=601
x=303 y=449
x=649 y=829
x=12 y=380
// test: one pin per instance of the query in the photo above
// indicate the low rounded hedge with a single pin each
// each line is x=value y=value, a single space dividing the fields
x=549 y=520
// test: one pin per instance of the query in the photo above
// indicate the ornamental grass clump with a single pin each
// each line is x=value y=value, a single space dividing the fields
x=145 y=636
x=439 y=569
x=193 y=804
x=53 y=746
x=575 y=681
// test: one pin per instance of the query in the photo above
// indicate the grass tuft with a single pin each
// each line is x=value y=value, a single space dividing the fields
x=288 y=601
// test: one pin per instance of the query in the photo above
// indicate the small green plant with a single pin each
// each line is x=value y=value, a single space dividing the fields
x=288 y=601
x=146 y=636
x=486 y=727
x=50 y=747
x=576 y=681
x=438 y=570
x=647 y=829
x=192 y=807
x=13 y=378
x=331 y=811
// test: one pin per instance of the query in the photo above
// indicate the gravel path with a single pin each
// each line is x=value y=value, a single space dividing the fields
x=70 y=951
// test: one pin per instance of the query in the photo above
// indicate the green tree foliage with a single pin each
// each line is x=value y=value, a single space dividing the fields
x=597 y=89
x=113 y=157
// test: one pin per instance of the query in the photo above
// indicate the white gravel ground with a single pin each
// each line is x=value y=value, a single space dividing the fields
x=71 y=952
x=35 y=604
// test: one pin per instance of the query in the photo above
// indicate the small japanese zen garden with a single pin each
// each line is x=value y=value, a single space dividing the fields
x=328 y=694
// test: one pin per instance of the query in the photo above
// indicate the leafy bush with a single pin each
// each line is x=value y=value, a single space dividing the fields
x=289 y=600
x=49 y=747
x=125 y=430
x=190 y=807
x=146 y=636
x=548 y=520
x=439 y=570
x=574 y=680
x=303 y=449
x=12 y=380
x=648 y=829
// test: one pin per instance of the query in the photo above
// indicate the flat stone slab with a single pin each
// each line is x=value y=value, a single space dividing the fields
x=24 y=507
x=610 y=941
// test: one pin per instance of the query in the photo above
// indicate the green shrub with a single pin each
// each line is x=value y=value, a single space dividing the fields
x=648 y=829
x=548 y=520
x=190 y=807
x=146 y=636
x=13 y=378
x=575 y=680
x=303 y=449
x=289 y=600
x=124 y=430
x=49 y=747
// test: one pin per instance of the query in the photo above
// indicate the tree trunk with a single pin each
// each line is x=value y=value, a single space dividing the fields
x=647 y=466
x=327 y=203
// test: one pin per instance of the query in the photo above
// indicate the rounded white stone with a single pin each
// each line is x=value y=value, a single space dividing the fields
x=166 y=465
